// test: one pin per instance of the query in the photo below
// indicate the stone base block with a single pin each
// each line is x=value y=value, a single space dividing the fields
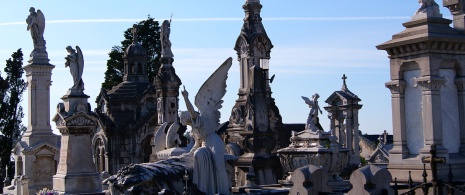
x=84 y=183
x=401 y=171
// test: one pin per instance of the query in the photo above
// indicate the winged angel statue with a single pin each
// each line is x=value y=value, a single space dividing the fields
x=36 y=24
x=206 y=160
x=313 y=122
x=75 y=62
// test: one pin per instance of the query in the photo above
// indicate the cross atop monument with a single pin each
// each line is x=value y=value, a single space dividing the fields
x=134 y=31
x=344 y=86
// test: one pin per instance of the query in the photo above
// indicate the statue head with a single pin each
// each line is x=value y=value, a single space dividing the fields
x=185 y=117
x=32 y=9
x=70 y=49
x=315 y=96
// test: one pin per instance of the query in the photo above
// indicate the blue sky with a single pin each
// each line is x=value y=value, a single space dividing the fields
x=315 y=42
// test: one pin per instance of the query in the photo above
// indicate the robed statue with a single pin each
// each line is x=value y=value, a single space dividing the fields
x=36 y=25
x=75 y=62
x=165 y=39
x=209 y=172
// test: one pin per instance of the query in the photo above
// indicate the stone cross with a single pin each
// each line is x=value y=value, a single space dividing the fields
x=344 y=86
x=134 y=31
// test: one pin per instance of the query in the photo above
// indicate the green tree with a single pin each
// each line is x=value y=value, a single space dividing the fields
x=11 y=90
x=149 y=38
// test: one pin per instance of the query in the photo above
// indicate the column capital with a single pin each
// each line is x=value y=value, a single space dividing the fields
x=430 y=83
x=396 y=86
x=460 y=83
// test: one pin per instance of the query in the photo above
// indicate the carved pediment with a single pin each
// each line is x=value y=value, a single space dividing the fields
x=42 y=149
x=80 y=121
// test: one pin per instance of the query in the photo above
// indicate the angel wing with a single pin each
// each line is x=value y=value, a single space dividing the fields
x=40 y=20
x=172 y=136
x=307 y=101
x=80 y=62
x=160 y=138
x=208 y=98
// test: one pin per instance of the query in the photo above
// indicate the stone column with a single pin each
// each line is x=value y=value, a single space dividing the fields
x=432 y=113
x=356 y=135
x=400 y=150
x=38 y=142
x=460 y=83
x=348 y=123
x=76 y=170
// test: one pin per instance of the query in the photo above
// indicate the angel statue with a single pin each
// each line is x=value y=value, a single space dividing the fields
x=75 y=62
x=202 y=170
x=209 y=172
x=36 y=24
x=313 y=122
x=165 y=39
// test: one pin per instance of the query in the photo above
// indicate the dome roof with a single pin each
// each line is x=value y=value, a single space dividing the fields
x=135 y=49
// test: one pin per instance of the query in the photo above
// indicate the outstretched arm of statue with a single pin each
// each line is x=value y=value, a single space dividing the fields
x=189 y=106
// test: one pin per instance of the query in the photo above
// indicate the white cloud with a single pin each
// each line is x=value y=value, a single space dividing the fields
x=218 y=19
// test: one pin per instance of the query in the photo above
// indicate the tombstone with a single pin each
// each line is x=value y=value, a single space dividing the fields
x=371 y=180
x=309 y=180
x=76 y=170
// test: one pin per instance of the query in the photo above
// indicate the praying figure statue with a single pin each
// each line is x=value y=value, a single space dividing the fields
x=313 y=122
x=75 y=62
x=165 y=39
x=209 y=173
x=36 y=25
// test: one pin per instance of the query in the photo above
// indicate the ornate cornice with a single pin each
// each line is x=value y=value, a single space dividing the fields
x=426 y=47
x=396 y=86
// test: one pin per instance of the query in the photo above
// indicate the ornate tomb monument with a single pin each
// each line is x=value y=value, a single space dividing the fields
x=427 y=86
x=255 y=122
x=36 y=156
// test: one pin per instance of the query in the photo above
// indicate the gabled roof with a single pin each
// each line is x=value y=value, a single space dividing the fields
x=344 y=94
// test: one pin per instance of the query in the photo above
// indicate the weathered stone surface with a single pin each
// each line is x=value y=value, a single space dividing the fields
x=310 y=180
x=370 y=180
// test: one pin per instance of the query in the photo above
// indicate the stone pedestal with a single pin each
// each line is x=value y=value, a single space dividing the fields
x=36 y=155
x=76 y=170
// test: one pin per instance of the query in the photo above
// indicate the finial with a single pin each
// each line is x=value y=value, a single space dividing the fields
x=134 y=31
x=344 y=86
